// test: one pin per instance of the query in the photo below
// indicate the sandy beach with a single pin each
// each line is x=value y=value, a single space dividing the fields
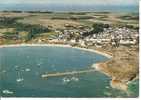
x=57 y=45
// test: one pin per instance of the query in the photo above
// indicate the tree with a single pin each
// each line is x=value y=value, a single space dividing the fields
x=99 y=27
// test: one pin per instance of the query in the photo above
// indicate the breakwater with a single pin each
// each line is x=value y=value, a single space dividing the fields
x=57 y=74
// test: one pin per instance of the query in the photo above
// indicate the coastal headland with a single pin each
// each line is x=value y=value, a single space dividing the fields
x=122 y=68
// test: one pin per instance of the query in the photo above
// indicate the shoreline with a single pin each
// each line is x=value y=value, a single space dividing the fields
x=114 y=83
x=57 y=45
x=118 y=84
x=97 y=68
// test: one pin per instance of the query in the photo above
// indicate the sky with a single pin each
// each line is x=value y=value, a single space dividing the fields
x=73 y=2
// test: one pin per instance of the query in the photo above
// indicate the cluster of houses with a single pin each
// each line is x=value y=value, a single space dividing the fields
x=113 y=36
x=75 y=36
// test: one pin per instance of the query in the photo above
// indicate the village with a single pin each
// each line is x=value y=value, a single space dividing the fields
x=114 y=36
x=84 y=36
x=13 y=30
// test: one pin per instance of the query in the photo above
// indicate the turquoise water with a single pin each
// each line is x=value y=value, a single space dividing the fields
x=21 y=69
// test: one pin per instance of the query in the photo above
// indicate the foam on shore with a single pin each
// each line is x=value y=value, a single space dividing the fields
x=96 y=67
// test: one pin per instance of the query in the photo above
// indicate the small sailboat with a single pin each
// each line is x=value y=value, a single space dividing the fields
x=20 y=80
x=7 y=92
x=27 y=70
x=66 y=80
x=75 y=79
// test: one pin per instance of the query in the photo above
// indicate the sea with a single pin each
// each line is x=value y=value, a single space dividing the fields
x=70 y=8
x=21 y=69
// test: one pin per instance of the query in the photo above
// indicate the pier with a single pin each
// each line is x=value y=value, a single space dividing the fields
x=57 y=74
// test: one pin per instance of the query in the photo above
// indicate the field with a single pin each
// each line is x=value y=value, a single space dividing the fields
x=58 y=20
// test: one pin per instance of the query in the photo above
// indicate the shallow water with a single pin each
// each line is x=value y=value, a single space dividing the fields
x=21 y=69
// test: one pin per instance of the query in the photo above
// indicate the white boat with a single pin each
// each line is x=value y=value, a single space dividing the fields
x=75 y=79
x=7 y=92
x=27 y=70
x=20 y=80
x=66 y=80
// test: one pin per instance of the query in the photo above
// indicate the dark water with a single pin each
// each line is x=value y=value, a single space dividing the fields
x=21 y=69
x=70 y=8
